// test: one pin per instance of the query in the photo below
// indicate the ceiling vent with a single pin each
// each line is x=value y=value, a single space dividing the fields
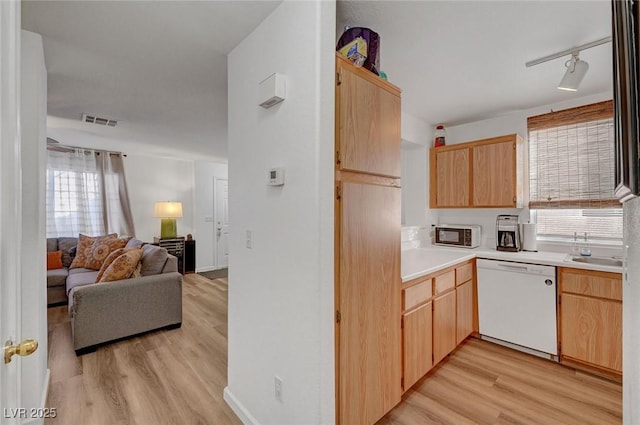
x=92 y=119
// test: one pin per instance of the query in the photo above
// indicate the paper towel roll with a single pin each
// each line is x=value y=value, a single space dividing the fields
x=529 y=236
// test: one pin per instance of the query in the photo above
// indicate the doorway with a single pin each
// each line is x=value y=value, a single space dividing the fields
x=221 y=219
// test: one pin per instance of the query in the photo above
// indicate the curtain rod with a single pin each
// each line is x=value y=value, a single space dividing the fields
x=53 y=146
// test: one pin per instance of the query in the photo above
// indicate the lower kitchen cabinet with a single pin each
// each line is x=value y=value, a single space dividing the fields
x=591 y=319
x=444 y=325
x=417 y=344
x=464 y=303
x=438 y=313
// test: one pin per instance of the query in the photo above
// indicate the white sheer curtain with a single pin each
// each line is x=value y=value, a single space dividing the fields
x=86 y=193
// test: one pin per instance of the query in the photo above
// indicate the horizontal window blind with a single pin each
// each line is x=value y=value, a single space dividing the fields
x=571 y=166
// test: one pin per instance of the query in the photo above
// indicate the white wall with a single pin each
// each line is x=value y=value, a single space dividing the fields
x=33 y=156
x=152 y=179
x=205 y=231
x=416 y=137
x=281 y=290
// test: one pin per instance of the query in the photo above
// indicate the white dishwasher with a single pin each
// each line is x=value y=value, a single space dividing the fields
x=517 y=304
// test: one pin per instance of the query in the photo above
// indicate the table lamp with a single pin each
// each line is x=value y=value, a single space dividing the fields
x=168 y=212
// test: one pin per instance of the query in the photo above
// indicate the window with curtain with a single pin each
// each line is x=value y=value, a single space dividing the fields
x=571 y=173
x=86 y=193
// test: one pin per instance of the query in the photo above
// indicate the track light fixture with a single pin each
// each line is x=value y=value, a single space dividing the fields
x=576 y=70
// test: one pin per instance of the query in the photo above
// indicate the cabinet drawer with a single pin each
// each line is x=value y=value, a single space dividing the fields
x=417 y=294
x=445 y=281
x=594 y=284
x=464 y=273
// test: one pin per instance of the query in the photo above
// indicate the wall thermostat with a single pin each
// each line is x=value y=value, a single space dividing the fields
x=276 y=177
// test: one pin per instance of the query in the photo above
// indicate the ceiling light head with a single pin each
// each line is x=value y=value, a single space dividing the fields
x=576 y=70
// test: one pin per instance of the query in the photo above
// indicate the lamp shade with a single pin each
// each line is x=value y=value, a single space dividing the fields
x=574 y=75
x=168 y=209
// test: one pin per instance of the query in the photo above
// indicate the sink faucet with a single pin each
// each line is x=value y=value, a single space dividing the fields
x=585 y=250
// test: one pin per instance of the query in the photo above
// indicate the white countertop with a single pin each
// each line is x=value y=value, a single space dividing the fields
x=419 y=262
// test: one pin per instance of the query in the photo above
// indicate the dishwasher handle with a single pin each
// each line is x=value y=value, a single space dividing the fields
x=513 y=267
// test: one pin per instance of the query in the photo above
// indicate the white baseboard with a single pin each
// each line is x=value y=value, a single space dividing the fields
x=208 y=269
x=43 y=399
x=205 y=269
x=237 y=407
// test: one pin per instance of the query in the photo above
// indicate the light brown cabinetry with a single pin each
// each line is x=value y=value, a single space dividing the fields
x=367 y=119
x=480 y=174
x=367 y=247
x=452 y=183
x=464 y=308
x=591 y=319
x=444 y=325
x=439 y=312
x=417 y=344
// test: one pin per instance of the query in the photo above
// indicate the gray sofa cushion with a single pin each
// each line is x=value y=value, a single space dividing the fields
x=65 y=245
x=133 y=242
x=153 y=259
x=80 y=278
x=52 y=244
x=56 y=277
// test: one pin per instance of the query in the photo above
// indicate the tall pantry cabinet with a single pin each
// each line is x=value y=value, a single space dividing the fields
x=367 y=246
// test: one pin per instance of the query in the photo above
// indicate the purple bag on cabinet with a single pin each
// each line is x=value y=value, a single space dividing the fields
x=372 y=63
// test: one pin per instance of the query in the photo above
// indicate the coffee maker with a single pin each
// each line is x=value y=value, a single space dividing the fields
x=508 y=233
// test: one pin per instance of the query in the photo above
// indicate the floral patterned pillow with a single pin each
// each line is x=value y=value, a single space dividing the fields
x=100 y=250
x=123 y=266
x=85 y=243
x=110 y=259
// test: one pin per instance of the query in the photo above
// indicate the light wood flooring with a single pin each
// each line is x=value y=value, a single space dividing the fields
x=165 y=377
x=484 y=383
x=177 y=377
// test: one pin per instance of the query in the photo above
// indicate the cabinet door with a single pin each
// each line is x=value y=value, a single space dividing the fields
x=592 y=330
x=444 y=325
x=370 y=338
x=417 y=344
x=368 y=123
x=464 y=302
x=451 y=186
x=494 y=175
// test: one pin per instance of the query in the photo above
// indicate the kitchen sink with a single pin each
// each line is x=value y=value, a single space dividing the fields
x=601 y=261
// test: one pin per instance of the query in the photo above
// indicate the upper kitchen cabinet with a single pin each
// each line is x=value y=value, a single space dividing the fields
x=480 y=174
x=367 y=122
x=451 y=186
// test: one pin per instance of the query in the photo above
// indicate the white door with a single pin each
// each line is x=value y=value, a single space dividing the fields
x=10 y=207
x=221 y=201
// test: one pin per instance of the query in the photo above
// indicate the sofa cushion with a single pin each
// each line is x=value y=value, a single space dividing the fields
x=123 y=266
x=110 y=259
x=85 y=277
x=54 y=260
x=57 y=277
x=65 y=244
x=133 y=242
x=153 y=259
x=100 y=250
x=52 y=244
x=85 y=243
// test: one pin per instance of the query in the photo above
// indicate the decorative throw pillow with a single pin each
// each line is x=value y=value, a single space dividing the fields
x=123 y=266
x=100 y=250
x=54 y=260
x=110 y=259
x=84 y=246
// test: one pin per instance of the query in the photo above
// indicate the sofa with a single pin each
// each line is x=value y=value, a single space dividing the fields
x=108 y=311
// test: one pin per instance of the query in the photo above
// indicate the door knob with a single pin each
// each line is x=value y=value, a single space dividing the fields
x=24 y=348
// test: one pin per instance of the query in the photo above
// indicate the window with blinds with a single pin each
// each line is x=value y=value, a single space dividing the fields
x=571 y=166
